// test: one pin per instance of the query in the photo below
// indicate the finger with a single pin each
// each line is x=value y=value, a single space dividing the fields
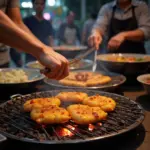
x=109 y=45
x=54 y=71
x=50 y=75
x=63 y=72
x=116 y=44
x=95 y=42
x=98 y=42
x=113 y=45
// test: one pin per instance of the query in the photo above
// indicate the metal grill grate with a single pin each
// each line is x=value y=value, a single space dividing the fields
x=16 y=124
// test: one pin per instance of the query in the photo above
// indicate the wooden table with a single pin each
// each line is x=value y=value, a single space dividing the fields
x=138 y=139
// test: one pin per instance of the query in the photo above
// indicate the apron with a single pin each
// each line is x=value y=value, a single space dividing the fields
x=70 y=36
x=117 y=26
x=4 y=55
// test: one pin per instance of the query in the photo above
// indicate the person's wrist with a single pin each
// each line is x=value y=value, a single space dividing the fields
x=38 y=51
x=125 y=35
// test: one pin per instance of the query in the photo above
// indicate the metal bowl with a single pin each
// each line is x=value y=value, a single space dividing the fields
x=117 y=80
x=34 y=78
x=70 y=51
x=142 y=79
x=83 y=64
x=126 y=68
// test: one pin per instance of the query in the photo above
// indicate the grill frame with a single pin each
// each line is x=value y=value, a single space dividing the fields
x=131 y=127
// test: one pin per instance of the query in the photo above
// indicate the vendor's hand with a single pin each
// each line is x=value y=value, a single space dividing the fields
x=95 y=40
x=115 y=42
x=58 y=64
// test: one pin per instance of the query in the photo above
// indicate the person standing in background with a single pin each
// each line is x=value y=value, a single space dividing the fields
x=40 y=27
x=4 y=56
x=87 y=27
x=68 y=33
x=126 y=24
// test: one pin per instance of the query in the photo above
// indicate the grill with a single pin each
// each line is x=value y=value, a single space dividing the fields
x=16 y=124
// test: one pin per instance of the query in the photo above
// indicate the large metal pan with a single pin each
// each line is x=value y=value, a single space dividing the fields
x=34 y=78
x=70 y=51
x=83 y=64
x=132 y=68
x=2 y=138
x=117 y=80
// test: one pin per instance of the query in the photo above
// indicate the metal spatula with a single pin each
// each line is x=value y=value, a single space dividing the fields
x=95 y=62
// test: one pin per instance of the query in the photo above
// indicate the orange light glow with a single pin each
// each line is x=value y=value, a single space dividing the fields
x=71 y=127
x=100 y=124
x=66 y=132
x=91 y=127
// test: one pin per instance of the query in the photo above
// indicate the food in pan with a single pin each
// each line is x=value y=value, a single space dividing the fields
x=13 y=76
x=40 y=103
x=50 y=115
x=72 y=96
x=147 y=80
x=67 y=82
x=107 y=104
x=128 y=58
x=85 y=79
x=36 y=65
x=83 y=114
x=98 y=81
x=69 y=48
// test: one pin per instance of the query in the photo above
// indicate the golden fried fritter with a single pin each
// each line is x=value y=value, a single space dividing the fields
x=85 y=79
x=41 y=102
x=99 y=80
x=50 y=115
x=105 y=103
x=72 y=96
x=72 y=83
x=83 y=114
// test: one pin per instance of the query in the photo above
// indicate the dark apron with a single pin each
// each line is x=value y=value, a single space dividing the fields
x=118 y=26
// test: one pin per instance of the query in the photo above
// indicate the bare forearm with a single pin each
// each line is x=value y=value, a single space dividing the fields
x=136 y=35
x=12 y=35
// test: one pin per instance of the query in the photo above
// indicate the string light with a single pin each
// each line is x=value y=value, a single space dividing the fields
x=51 y=2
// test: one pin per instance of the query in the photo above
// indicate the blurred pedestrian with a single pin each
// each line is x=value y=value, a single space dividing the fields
x=68 y=33
x=39 y=26
x=87 y=27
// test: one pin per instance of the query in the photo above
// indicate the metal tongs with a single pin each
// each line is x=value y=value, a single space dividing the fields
x=73 y=61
